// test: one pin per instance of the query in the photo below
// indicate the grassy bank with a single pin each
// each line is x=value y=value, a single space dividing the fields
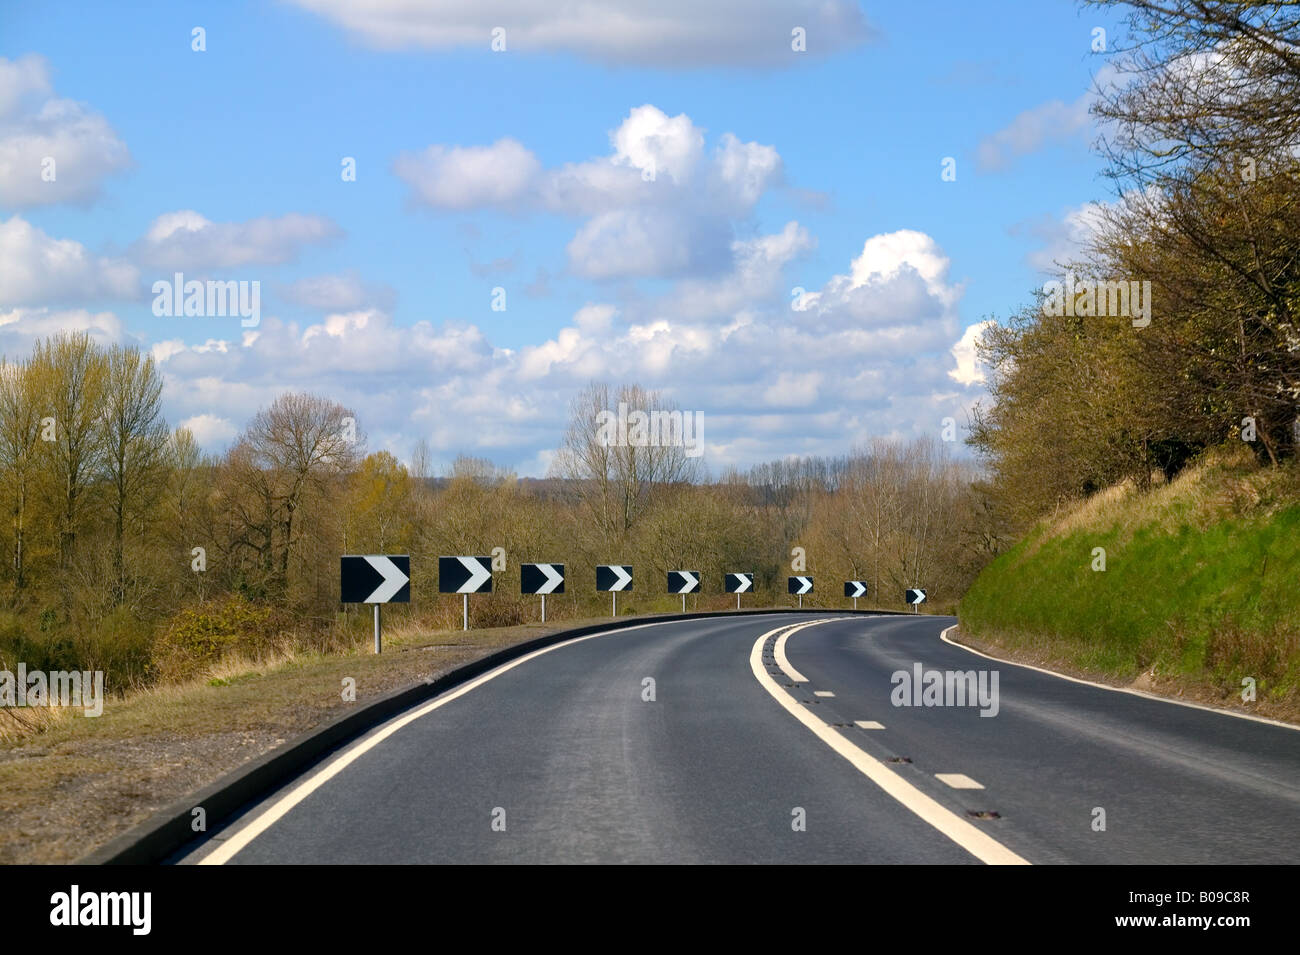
x=1199 y=590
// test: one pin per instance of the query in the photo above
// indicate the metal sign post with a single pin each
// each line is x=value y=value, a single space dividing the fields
x=375 y=579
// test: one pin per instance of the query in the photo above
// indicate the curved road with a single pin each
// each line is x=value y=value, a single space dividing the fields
x=775 y=739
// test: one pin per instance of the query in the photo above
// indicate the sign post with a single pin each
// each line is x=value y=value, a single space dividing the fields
x=855 y=589
x=541 y=579
x=915 y=597
x=465 y=576
x=683 y=582
x=739 y=584
x=375 y=579
x=800 y=586
x=613 y=578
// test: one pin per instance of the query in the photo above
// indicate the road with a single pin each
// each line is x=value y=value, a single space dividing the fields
x=774 y=739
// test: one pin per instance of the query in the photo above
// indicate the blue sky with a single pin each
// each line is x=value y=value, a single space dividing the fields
x=528 y=170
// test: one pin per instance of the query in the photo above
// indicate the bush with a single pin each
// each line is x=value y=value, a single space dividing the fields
x=201 y=636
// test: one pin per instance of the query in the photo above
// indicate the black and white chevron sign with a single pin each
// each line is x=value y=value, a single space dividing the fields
x=739 y=583
x=541 y=578
x=683 y=581
x=801 y=585
x=615 y=577
x=916 y=596
x=855 y=588
x=375 y=579
x=465 y=575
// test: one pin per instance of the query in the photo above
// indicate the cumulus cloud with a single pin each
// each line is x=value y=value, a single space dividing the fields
x=464 y=177
x=36 y=268
x=187 y=240
x=659 y=205
x=969 y=370
x=51 y=149
x=211 y=430
x=21 y=328
x=658 y=33
x=767 y=377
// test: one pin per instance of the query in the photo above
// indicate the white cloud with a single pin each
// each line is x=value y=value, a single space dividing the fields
x=462 y=177
x=342 y=292
x=1054 y=122
x=659 y=33
x=657 y=206
x=211 y=431
x=37 y=127
x=186 y=240
x=969 y=371
x=21 y=328
x=36 y=268
x=1062 y=239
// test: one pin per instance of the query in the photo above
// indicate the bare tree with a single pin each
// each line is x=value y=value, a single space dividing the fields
x=135 y=443
x=20 y=425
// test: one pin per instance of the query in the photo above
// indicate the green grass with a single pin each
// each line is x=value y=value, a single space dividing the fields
x=1200 y=584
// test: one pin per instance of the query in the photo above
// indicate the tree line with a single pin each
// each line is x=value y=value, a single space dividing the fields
x=1201 y=135
x=124 y=538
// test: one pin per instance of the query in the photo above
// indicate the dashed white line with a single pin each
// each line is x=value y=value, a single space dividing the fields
x=979 y=844
x=868 y=725
x=957 y=780
x=822 y=693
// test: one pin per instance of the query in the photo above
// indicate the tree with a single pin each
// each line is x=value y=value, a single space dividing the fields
x=135 y=445
x=20 y=426
x=300 y=446
x=71 y=373
x=619 y=480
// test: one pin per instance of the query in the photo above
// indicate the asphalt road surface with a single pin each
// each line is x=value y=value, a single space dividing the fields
x=776 y=739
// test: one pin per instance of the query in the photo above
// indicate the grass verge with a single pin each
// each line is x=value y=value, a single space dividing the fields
x=1197 y=597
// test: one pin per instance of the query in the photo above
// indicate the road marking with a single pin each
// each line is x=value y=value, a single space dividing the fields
x=1115 y=689
x=979 y=844
x=868 y=725
x=822 y=693
x=779 y=651
x=239 y=839
x=957 y=780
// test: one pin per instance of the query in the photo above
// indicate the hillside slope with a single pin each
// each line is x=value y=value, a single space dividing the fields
x=1201 y=587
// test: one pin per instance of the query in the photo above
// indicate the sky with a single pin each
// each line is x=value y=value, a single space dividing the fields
x=791 y=218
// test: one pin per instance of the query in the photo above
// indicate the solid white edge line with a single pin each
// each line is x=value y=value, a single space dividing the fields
x=1115 y=689
x=979 y=844
x=239 y=839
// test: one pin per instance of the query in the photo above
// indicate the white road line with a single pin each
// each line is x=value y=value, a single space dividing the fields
x=957 y=780
x=977 y=843
x=1116 y=689
x=822 y=693
x=276 y=811
x=868 y=725
x=779 y=651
